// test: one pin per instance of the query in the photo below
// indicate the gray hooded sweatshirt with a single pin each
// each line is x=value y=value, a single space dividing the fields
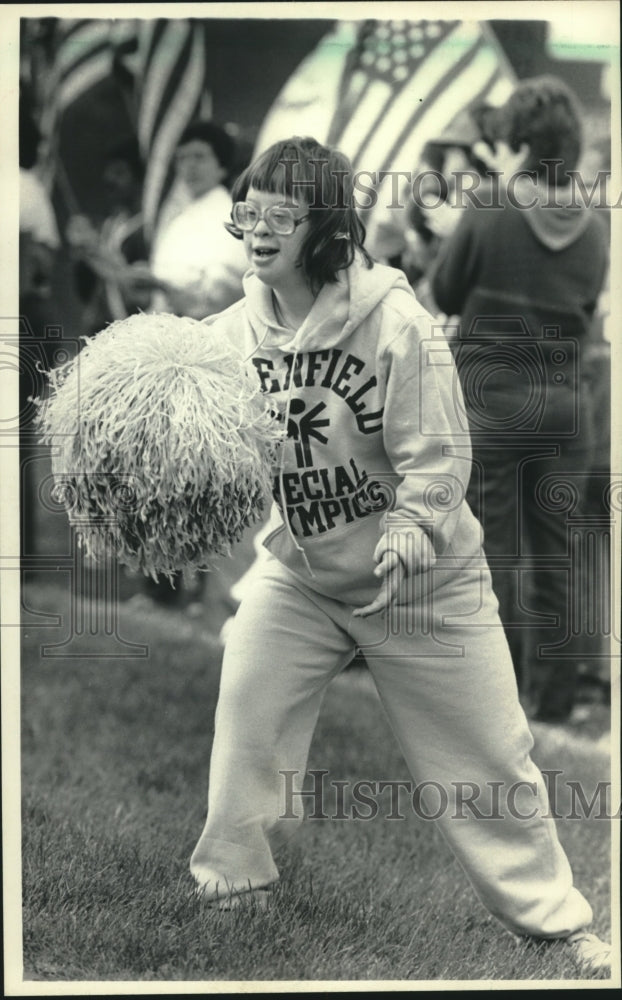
x=378 y=449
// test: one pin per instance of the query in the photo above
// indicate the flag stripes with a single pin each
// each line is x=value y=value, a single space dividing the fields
x=377 y=89
x=158 y=52
x=391 y=60
x=469 y=76
x=402 y=83
x=171 y=80
x=165 y=61
x=446 y=67
x=310 y=96
x=83 y=59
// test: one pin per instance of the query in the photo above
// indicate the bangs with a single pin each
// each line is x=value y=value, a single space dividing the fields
x=270 y=173
x=288 y=169
x=303 y=170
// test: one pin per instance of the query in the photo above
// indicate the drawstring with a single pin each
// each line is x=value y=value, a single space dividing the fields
x=257 y=346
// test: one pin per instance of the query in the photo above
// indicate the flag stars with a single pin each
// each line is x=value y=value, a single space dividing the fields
x=387 y=117
x=391 y=51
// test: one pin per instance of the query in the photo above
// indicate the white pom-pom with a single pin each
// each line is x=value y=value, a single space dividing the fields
x=161 y=442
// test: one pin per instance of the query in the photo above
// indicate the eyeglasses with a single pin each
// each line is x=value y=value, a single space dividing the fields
x=281 y=220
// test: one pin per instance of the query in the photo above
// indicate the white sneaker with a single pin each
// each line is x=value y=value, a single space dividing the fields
x=590 y=953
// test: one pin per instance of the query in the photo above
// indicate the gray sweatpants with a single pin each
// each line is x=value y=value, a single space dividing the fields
x=444 y=675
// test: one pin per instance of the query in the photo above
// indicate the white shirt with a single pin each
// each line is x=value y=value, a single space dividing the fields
x=195 y=252
x=36 y=215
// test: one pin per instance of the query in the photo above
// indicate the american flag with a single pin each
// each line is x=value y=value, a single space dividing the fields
x=379 y=90
x=85 y=51
x=84 y=55
x=83 y=59
x=162 y=61
x=171 y=68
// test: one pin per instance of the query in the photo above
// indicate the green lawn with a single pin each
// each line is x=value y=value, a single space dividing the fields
x=114 y=778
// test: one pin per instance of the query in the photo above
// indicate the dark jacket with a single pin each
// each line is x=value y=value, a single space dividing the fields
x=525 y=284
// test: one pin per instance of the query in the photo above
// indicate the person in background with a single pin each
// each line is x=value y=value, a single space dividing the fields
x=594 y=671
x=111 y=273
x=433 y=217
x=199 y=270
x=411 y=238
x=39 y=240
x=525 y=282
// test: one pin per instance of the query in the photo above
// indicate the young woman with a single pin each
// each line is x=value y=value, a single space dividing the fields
x=374 y=548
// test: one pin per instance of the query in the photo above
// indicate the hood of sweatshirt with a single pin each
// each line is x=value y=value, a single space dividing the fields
x=337 y=312
x=552 y=214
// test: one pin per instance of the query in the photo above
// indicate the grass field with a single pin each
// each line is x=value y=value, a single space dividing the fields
x=114 y=778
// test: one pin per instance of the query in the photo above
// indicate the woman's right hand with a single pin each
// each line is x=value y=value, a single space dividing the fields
x=392 y=571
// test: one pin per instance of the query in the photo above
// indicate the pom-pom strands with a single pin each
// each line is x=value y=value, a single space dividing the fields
x=161 y=443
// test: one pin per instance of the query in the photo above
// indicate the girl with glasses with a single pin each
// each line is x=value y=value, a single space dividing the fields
x=371 y=547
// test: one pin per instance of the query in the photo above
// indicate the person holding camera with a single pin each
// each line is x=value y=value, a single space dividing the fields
x=524 y=277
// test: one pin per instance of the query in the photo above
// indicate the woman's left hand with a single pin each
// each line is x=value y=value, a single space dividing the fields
x=393 y=572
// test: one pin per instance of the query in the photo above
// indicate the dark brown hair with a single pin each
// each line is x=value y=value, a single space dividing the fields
x=544 y=113
x=320 y=178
